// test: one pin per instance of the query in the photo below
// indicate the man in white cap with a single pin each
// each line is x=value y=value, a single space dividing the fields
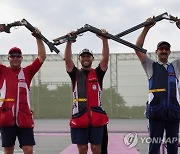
x=89 y=120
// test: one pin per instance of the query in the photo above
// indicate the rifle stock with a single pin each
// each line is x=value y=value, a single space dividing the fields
x=6 y=27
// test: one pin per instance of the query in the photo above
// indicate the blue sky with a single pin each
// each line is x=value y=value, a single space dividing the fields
x=58 y=17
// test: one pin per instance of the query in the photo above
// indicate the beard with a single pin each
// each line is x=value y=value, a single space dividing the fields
x=88 y=65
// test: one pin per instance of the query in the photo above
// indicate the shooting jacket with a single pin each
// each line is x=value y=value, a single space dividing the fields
x=19 y=112
x=87 y=109
x=163 y=100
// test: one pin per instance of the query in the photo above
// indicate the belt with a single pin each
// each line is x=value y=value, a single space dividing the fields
x=80 y=100
x=157 y=90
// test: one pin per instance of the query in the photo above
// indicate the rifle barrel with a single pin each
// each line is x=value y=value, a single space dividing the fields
x=115 y=38
x=155 y=19
x=50 y=44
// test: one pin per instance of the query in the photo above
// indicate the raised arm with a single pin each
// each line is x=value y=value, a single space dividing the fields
x=40 y=46
x=141 y=39
x=68 y=57
x=105 y=52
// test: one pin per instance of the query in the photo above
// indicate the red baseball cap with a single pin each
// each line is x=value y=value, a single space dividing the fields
x=15 y=50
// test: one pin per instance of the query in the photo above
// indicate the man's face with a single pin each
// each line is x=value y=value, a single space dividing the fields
x=163 y=52
x=15 y=60
x=86 y=60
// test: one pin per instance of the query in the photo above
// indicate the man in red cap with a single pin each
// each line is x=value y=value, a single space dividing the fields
x=89 y=120
x=163 y=106
x=16 y=117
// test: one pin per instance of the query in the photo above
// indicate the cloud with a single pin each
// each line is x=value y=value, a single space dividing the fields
x=58 y=17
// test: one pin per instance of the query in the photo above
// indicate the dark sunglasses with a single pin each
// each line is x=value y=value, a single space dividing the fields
x=164 y=48
x=15 y=56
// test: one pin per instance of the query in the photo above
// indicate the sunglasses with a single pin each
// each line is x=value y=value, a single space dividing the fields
x=164 y=48
x=15 y=56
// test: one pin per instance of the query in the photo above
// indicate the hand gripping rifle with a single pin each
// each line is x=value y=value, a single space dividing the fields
x=6 y=27
x=72 y=38
x=97 y=31
x=50 y=44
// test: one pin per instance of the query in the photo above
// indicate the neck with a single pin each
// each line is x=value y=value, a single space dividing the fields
x=15 y=68
x=87 y=69
x=164 y=61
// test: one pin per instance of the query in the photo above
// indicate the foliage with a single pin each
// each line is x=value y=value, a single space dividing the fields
x=112 y=102
x=57 y=103
x=54 y=103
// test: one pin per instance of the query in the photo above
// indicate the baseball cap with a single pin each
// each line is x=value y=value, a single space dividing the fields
x=163 y=42
x=15 y=50
x=86 y=51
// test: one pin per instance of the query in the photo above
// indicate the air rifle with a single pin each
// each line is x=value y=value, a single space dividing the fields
x=97 y=31
x=50 y=44
x=154 y=19
x=112 y=37
x=24 y=22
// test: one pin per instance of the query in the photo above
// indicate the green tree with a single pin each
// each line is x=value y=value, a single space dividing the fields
x=57 y=103
x=137 y=112
x=113 y=103
x=38 y=100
